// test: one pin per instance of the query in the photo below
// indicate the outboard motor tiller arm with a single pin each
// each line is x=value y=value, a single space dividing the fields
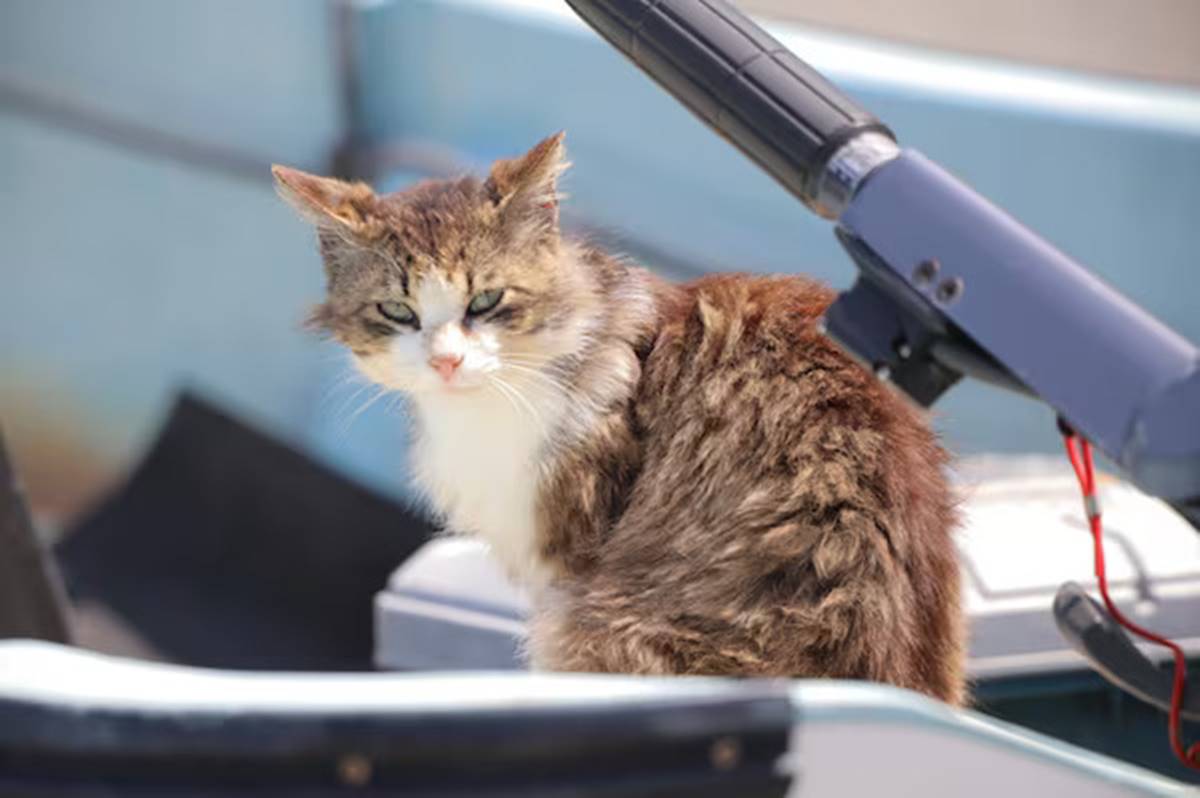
x=949 y=284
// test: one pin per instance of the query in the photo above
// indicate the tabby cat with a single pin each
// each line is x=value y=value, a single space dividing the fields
x=689 y=479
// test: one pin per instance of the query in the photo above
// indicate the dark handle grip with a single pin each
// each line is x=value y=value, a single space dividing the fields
x=743 y=83
x=1094 y=634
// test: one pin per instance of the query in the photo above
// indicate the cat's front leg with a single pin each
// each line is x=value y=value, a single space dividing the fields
x=584 y=493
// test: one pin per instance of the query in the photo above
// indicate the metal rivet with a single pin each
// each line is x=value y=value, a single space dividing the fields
x=883 y=371
x=950 y=290
x=726 y=753
x=903 y=350
x=925 y=272
x=354 y=770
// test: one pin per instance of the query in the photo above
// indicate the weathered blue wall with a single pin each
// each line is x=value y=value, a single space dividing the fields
x=128 y=275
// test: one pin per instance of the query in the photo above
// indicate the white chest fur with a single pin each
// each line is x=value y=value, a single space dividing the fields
x=479 y=456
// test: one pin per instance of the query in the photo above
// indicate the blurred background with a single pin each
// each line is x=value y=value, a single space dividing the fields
x=145 y=254
x=145 y=250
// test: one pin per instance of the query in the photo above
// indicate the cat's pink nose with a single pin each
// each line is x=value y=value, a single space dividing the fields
x=446 y=365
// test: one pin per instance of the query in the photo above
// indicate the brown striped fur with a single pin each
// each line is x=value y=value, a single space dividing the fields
x=780 y=512
x=740 y=499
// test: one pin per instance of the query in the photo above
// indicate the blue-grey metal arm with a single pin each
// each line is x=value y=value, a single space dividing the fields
x=960 y=274
x=949 y=285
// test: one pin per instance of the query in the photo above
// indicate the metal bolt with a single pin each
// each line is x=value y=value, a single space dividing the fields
x=726 y=753
x=950 y=290
x=925 y=272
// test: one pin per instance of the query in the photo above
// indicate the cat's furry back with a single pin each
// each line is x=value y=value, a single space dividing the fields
x=691 y=478
x=782 y=513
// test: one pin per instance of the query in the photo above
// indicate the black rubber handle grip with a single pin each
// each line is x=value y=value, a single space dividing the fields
x=1097 y=637
x=743 y=83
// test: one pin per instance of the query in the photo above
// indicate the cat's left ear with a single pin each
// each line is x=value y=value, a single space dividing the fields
x=329 y=203
x=530 y=182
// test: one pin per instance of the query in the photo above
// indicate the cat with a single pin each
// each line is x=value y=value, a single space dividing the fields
x=689 y=479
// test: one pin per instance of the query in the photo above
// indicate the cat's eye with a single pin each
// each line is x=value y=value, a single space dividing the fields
x=398 y=312
x=484 y=301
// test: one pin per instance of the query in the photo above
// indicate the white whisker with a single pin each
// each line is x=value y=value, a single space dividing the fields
x=534 y=415
x=549 y=384
x=380 y=393
x=363 y=385
x=521 y=406
x=500 y=389
x=543 y=376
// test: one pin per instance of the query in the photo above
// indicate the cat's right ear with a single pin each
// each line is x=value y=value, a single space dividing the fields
x=329 y=203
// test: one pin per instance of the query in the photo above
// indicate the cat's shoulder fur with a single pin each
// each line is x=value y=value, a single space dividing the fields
x=761 y=505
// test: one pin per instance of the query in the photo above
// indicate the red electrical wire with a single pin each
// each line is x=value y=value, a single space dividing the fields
x=1085 y=471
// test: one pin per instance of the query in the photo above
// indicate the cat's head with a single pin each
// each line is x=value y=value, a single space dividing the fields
x=447 y=285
